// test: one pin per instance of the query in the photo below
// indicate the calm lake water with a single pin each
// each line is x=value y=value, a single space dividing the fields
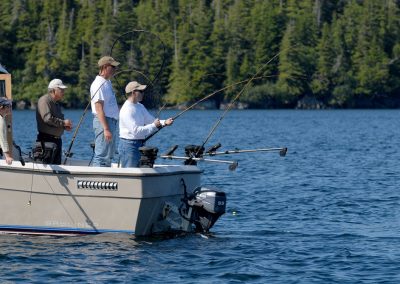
x=329 y=212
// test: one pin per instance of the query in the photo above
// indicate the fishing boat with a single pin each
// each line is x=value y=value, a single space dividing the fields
x=38 y=197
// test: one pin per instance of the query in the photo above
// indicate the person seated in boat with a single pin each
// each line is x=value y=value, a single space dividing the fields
x=50 y=119
x=135 y=124
x=5 y=109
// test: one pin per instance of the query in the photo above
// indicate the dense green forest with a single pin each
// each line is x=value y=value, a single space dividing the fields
x=339 y=53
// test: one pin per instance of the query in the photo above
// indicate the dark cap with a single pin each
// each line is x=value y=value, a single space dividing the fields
x=5 y=102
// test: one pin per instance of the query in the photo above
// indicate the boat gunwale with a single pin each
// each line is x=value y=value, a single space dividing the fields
x=159 y=170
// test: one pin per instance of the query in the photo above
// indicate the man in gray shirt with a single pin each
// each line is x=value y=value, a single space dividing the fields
x=49 y=118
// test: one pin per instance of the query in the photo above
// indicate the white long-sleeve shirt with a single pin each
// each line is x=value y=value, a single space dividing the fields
x=135 y=122
x=3 y=135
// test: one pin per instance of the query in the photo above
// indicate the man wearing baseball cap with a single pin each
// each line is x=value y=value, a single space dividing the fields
x=105 y=112
x=50 y=119
x=135 y=124
x=5 y=109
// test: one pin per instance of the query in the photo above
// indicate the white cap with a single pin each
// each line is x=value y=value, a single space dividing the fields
x=133 y=86
x=56 y=83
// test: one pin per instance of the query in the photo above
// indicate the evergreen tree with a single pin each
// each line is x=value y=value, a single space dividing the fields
x=348 y=50
x=370 y=61
x=322 y=84
x=297 y=58
x=240 y=46
x=193 y=53
x=345 y=28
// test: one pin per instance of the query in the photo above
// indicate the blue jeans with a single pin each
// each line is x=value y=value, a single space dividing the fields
x=104 y=151
x=129 y=154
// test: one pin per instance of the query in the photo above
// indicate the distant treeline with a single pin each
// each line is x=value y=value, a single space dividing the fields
x=338 y=53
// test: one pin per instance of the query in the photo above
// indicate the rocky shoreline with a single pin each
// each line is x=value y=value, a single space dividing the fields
x=306 y=103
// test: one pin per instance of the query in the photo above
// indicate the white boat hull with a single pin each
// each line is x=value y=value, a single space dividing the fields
x=51 y=199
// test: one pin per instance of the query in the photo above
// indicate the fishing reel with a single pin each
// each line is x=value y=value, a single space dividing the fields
x=193 y=151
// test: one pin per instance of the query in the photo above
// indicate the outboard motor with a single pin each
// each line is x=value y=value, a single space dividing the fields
x=148 y=156
x=207 y=206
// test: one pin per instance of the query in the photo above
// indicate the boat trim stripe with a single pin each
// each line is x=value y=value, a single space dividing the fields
x=94 y=173
x=87 y=195
x=57 y=230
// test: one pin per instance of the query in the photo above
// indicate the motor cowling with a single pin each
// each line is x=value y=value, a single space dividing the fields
x=207 y=206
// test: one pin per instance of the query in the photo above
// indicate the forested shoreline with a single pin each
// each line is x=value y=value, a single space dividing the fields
x=301 y=53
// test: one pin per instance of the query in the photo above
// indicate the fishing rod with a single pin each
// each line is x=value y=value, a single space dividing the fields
x=232 y=164
x=234 y=100
x=282 y=151
x=212 y=152
x=203 y=99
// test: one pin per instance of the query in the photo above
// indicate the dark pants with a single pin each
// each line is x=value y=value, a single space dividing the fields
x=57 y=140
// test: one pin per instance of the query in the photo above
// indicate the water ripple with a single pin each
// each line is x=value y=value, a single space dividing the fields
x=326 y=213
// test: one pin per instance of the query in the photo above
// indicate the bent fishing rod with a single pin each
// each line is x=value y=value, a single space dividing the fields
x=156 y=76
x=146 y=32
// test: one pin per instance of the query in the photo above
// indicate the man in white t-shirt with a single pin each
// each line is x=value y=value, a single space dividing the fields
x=105 y=113
x=135 y=124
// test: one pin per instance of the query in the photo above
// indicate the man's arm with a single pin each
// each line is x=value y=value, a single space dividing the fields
x=48 y=118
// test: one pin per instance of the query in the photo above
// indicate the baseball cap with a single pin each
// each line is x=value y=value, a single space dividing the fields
x=5 y=102
x=56 y=83
x=107 y=60
x=132 y=86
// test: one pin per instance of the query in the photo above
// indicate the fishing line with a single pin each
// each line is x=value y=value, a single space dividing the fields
x=152 y=34
x=205 y=98
x=156 y=76
x=30 y=194
x=235 y=98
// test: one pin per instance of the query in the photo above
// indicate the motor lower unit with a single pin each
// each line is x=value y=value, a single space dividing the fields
x=206 y=205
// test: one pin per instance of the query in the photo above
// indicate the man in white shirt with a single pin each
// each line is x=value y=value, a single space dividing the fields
x=105 y=111
x=135 y=124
